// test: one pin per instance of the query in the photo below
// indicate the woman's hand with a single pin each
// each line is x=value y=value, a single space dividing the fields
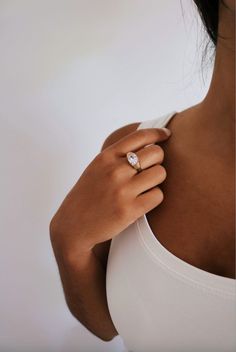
x=110 y=194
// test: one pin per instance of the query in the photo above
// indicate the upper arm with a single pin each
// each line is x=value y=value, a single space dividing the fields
x=101 y=250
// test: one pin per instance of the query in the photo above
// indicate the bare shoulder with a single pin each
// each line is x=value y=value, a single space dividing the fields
x=101 y=250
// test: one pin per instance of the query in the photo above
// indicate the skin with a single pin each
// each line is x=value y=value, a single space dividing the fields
x=202 y=152
x=110 y=186
x=199 y=152
x=212 y=121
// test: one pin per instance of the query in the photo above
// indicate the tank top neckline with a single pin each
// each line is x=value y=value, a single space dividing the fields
x=214 y=283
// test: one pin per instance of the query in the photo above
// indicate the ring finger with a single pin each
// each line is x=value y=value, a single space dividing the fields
x=148 y=156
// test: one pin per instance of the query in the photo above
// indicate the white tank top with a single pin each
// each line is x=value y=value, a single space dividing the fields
x=160 y=303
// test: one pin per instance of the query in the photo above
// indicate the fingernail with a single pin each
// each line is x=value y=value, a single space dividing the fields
x=167 y=131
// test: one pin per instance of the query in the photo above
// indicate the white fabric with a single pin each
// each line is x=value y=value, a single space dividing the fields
x=160 y=303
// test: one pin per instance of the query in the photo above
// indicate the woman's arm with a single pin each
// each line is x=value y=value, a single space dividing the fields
x=84 y=285
x=81 y=245
x=84 y=278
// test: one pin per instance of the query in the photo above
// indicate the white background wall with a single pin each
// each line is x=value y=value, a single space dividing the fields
x=71 y=72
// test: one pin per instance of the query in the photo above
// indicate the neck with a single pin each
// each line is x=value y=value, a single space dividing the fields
x=220 y=99
x=214 y=117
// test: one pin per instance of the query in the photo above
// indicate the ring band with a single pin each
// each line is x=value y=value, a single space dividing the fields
x=133 y=160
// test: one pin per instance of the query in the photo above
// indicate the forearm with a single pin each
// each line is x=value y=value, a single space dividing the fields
x=84 y=285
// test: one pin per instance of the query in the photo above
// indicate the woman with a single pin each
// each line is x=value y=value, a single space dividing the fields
x=168 y=283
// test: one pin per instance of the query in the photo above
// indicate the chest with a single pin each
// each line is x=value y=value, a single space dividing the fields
x=195 y=221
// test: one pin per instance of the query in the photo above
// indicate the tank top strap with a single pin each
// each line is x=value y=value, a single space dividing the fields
x=157 y=122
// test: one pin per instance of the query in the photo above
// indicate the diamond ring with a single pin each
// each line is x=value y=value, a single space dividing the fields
x=133 y=161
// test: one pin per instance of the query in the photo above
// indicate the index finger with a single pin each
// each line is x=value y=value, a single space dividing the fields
x=139 y=138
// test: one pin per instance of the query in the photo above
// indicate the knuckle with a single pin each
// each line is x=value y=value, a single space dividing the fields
x=160 y=151
x=114 y=175
x=105 y=157
x=143 y=133
x=157 y=149
x=99 y=156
